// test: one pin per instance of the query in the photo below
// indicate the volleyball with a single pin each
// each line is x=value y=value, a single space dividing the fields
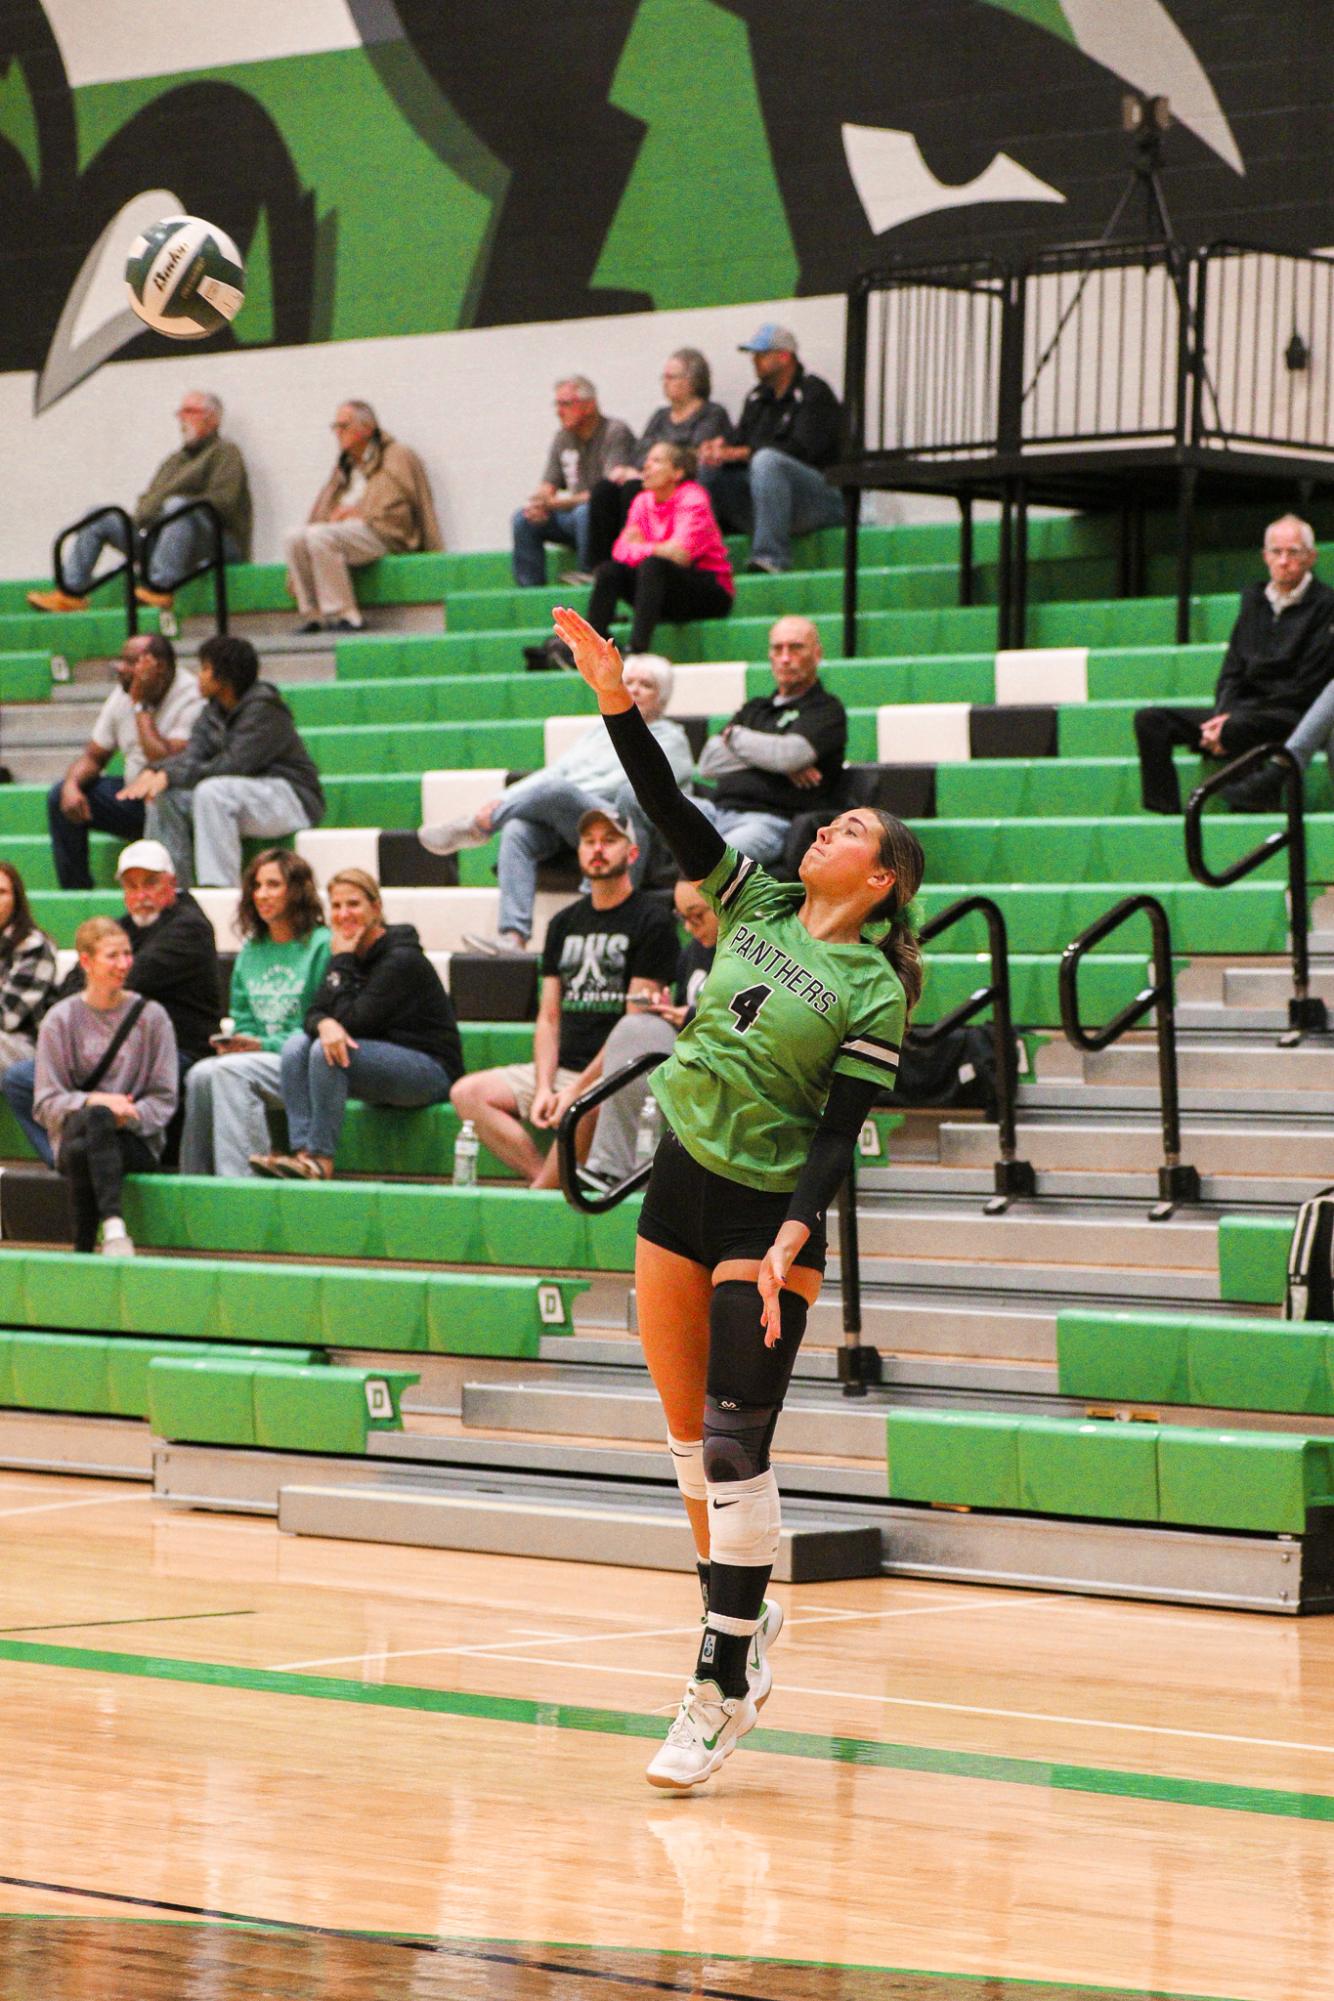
x=185 y=277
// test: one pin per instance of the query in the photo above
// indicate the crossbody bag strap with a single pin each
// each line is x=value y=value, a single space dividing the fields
x=113 y=1048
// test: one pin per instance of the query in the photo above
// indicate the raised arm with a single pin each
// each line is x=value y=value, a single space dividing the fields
x=695 y=842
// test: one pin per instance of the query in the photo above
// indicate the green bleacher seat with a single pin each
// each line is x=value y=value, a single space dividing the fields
x=1253 y=1258
x=1220 y=1361
x=279 y=1406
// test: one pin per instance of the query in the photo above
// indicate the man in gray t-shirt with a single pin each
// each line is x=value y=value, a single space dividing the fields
x=585 y=448
x=148 y=716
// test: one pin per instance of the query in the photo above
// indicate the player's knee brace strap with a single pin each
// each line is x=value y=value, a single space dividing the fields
x=745 y=1521
x=688 y=1466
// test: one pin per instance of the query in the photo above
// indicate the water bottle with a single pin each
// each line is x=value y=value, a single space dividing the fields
x=465 y=1156
x=646 y=1135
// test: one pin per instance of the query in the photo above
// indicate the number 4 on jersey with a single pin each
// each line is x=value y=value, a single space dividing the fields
x=747 y=1004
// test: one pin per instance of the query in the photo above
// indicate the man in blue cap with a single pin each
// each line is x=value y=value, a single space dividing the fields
x=769 y=484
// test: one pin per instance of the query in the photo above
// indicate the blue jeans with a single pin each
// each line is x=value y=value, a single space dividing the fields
x=772 y=498
x=537 y=818
x=570 y=527
x=1315 y=731
x=315 y=1092
x=180 y=546
x=69 y=841
x=762 y=836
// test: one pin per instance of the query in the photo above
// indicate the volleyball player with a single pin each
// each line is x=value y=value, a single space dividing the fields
x=797 y=1032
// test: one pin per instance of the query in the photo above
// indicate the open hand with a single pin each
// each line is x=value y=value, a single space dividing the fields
x=598 y=659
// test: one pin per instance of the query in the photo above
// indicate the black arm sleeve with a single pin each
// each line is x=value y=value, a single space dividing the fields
x=695 y=842
x=831 y=1149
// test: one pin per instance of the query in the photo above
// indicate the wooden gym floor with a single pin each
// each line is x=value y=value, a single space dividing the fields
x=239 y=1764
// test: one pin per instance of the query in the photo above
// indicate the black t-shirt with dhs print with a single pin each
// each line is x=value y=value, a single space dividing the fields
x=595 y=954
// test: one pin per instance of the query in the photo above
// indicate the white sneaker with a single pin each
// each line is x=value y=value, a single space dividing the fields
x=448 y=836
x=759 y=1674
x=118 y=1247
x=707 y=1730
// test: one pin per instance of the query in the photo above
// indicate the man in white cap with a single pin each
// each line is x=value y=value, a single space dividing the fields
x=175 y=963
x=769 y=484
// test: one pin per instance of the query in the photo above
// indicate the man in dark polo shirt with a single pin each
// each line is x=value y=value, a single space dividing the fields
x=1279 y=659
x=781 y=754
x=769 y=482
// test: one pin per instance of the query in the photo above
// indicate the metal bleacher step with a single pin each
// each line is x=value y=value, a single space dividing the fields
x=584 y=1522
x=1051 y=1233
x=1269 y=986
x=1026 y=1281
x=592 y=1406
x=1074 y=1095
x=1219 y=1065
x=1284 y=1150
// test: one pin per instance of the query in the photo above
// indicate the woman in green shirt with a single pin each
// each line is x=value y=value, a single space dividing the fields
x=797 y=1031
x=278 y=971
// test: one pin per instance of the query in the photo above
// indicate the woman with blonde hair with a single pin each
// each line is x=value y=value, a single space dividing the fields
x=380 y=1029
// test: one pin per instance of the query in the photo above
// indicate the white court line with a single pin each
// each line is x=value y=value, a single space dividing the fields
x=496 y=1649
x=101 y=1501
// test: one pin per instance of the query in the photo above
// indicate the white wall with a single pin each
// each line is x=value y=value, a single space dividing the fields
x=477 y=405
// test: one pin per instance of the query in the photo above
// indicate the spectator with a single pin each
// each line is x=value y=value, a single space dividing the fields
x=583 y=449
x=278 y=972
x=654 y=1026
x=542 y=813
x=781 y=754
x=669 y=561
x=175 y=964
x=207 y=467
x=27 y=972
x=146 y=718
x=1279 y=659
x=244 y=772
x=603 y=952
x=380 y=1029
x=376 y=502
x=768 y=483
x=106 y=1085
x=688 y=417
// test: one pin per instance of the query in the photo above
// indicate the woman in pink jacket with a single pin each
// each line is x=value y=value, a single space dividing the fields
x=669 y=560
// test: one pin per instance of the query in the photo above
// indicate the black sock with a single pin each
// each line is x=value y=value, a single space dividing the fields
x=736 y=1594
x=702 y=1569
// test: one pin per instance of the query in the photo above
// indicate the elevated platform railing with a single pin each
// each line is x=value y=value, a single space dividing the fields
x=122 y=572
x=1177 y=1182
x=1307 y=1013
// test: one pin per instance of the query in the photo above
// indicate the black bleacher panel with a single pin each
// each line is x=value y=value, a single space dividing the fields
x=1000 y=730
x=35 y=1206
x=908 y=790
x=405 y=864
x=484 y=987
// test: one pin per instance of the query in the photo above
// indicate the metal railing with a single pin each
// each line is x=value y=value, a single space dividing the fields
x=214 y=563
x=567 y=1133
x=1107 y=341
x=124 y=568
x=923 y=363
x=1014 y=1178
x=1267 y=318
x=1307 y=1013
x=1177 y=1182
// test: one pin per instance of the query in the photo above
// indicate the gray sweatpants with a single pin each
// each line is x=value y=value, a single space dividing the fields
x=225 y=1098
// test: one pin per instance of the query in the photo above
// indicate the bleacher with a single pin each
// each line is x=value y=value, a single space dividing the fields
x=1071 y=1392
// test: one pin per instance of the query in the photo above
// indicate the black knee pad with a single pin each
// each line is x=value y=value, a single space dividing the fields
x=747 y=1382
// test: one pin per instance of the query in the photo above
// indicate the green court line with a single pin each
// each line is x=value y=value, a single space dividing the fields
x=864 y=1751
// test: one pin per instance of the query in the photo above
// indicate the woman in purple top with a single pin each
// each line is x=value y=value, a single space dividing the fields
x=669 y=560
x=106 y=1084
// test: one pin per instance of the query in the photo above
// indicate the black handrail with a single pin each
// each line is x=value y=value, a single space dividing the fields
x=216 y=562
x=1014 y=1178
x=567 y=1132
x=1307 y=1013
x=1177 y=1182
x=124 y=568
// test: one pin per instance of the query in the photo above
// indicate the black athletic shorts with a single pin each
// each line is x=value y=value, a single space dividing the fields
x=708 y=1219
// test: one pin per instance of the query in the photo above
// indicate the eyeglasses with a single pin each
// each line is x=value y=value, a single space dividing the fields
x=1293 y=549
x=343 y=424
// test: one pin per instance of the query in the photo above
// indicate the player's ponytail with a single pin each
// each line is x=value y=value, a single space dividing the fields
x=901 y=850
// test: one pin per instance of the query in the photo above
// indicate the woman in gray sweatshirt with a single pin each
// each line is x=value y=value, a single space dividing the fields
x=105 y=1119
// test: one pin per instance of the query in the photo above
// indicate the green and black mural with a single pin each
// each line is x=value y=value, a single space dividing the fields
x=415 y=166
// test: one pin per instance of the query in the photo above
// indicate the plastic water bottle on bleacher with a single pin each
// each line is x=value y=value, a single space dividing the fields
x=465 y=1156
x=646 y=1135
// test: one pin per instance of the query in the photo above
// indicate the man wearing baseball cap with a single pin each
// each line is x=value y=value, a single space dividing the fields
x=769 y=483
x=175 y=963
x=611 y=949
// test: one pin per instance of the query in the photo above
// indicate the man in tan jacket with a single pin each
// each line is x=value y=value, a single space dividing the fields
x=376 y=502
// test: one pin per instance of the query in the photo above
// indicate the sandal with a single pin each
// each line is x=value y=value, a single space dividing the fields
x=304 y=1167
x=273 y=1166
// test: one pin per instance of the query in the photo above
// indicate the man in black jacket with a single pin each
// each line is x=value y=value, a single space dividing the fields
x=175 y=963
x=1279 y=659
x=245 y=771
x=769 y=483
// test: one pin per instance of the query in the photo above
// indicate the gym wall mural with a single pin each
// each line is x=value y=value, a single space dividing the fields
x=413 y=166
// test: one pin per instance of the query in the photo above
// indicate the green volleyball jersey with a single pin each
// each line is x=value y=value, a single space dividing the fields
x=779 y=1016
